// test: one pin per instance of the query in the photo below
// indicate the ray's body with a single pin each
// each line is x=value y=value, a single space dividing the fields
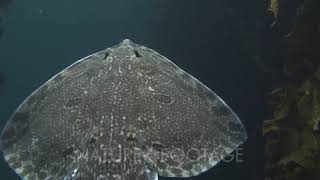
x=123 y=113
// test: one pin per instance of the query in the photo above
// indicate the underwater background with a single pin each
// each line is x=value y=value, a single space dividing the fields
x=216 y=41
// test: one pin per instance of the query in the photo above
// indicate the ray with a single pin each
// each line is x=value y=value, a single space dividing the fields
x=122 y=113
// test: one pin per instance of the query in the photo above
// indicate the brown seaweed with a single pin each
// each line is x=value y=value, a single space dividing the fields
x=292 y=135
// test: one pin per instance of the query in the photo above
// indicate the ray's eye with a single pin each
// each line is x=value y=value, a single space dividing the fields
x=106 y=55
x=137 y=54
x=92 y=141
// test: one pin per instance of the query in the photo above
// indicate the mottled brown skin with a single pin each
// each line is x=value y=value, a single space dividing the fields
x=125 y=98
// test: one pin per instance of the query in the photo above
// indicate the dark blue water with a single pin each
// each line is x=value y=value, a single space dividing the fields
x=217 y=41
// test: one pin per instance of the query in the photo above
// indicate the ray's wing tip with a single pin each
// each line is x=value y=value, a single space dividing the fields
x=244 y=138
x=244 y=135
x=244 y=132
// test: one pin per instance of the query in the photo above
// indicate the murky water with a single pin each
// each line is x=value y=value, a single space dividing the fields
x=214 y=40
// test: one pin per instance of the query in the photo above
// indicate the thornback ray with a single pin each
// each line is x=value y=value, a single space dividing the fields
x=122 y=113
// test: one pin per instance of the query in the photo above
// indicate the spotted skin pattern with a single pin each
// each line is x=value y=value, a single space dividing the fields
x=124 y=113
